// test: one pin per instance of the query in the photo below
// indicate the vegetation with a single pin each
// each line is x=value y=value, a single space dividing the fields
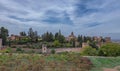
x=33 y=35
x=4 y=35
x=59 y=37
x=23 y=33
x=61 y=62
x=7 y=50
x=49 y=38
x=104 y=62
x=89 y=51
x=56 y=43
x=53 y=51
x=18 y=49
x=110 y=49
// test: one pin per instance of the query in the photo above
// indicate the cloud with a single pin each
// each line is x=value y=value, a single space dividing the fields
x=80 y=16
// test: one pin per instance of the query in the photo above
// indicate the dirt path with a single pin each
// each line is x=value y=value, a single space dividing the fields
x=117 y=68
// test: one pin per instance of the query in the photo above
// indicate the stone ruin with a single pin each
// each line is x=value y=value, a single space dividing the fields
x=85 y=45
x=44 y=48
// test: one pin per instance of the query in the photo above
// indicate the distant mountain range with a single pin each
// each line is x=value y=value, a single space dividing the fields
x=116 y=40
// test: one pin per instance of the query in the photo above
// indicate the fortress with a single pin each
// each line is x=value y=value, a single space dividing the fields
x=99 y=40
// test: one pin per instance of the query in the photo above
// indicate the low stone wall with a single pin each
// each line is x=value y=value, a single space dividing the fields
x=58 y=50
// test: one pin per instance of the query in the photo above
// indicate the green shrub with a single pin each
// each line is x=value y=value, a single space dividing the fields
x=53 y=51
x=8 y=50
x=56 y=43
x=89 y=51
x=18 y=49
x=110 y=49
x=68 y=45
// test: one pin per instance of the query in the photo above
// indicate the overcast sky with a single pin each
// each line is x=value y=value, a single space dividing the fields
x=88 y=17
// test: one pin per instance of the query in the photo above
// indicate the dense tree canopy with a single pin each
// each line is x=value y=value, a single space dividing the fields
x=23 y=34
x=48 y=37
x=33 y=35
x=59 y=37
x=110 y=49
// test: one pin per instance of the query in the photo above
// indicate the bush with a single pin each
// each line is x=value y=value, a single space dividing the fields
x=22 y=42
x=8 y=50
x=18 y=49
x=68 y=45
x=110 y=49
x=89 y=51
x=53 y=51
x=56 y=43
x=93 y=45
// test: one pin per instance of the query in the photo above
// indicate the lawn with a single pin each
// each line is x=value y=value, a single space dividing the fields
x=104 y=62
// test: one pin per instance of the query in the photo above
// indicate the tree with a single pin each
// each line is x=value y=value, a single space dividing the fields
x=4 y=35
x=51 y=37
x=93 y=45
x=59 y=37
x=84 y=39
x=53 y=51
x=89 y=51
x=72 y=41
x=48 y=37
x=56 y=36
x=22 y=33
x=31 y=33
x=80 y=40
x=56 y=43
x=110 y=49
x=36 y=36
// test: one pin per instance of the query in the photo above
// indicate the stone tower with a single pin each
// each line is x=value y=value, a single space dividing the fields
x=44 y=48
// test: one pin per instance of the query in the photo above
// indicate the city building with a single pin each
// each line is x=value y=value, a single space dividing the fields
x=85 y=45
x=71 y=37
x=16 y=37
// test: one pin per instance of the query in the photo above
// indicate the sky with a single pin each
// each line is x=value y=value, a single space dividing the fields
x=86 y=17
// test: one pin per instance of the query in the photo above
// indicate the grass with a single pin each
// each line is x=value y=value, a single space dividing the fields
x=55 y=62
x=104 y=62
x=35 y=62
